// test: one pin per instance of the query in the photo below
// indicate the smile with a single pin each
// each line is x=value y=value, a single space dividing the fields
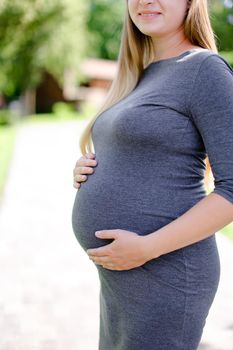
x=151 y=15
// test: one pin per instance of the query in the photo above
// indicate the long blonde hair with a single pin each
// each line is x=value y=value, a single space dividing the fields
x=137 y=51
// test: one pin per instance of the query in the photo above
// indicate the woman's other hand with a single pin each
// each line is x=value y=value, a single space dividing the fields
x=127 y=251
x=83 y=166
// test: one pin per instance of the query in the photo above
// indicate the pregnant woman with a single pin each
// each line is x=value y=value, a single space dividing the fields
x=143 y=216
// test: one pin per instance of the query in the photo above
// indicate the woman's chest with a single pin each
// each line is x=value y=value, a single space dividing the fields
x=148 y=117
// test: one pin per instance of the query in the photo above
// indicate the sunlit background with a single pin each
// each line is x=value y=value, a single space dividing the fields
x=57 y=61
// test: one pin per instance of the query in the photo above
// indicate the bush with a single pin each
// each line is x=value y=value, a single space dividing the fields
x=63 y=108
x=6 y=117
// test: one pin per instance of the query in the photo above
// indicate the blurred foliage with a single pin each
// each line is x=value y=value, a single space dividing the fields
x=222 y=22
x=228 y=55
x=6 y=117
x=104 y=24
x=63 y=108
x=37 y=34
x=67 y=46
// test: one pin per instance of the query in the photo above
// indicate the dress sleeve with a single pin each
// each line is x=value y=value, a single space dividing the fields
x=211 y=110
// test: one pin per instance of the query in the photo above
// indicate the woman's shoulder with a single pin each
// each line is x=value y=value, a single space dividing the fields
x=211 y=82
x=209 y=60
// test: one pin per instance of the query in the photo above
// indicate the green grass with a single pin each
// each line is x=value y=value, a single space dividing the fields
x=7 y=138
x=62 y=114
x=50 y=118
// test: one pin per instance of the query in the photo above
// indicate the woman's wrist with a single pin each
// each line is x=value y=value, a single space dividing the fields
x=150 y=248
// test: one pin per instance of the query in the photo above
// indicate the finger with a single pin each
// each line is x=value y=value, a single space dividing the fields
x=102 y=251
x=85 y=162
x=83 y=170
x=90 y=155
x=79 y=160
x=90 y=159
x=102 y=260
x=80 y=178
x=76 y=185
x=89 y=162
x=107 y=234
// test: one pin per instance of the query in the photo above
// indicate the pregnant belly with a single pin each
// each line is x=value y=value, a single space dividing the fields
x=96 y=208
x=88 y=216
x=107 y=201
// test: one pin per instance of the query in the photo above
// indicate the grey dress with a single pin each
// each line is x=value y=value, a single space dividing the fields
x=150 y=149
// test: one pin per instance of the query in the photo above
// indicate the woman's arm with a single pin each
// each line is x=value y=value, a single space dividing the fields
x=201 y=221
x=210 y=106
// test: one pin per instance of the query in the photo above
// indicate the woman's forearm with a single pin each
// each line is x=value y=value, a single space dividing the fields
x=208 y=216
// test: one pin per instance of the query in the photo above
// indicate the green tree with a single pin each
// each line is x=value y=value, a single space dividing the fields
x=222 y=22
x=104 y=24
x=67 y=45
x=38 y=34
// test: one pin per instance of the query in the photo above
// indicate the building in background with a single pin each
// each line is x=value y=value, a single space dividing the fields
x=98 y=75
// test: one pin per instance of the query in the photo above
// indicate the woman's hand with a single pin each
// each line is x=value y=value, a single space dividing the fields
x=83 y=166
x=128 y=250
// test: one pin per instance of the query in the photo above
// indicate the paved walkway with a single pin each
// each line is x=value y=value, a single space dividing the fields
x=49 y=287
